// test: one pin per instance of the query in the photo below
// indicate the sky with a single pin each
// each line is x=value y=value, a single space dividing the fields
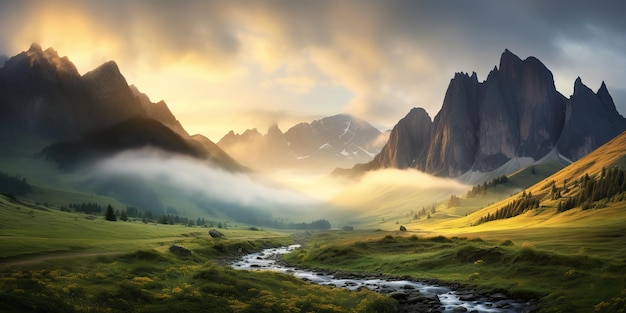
x=223 y=65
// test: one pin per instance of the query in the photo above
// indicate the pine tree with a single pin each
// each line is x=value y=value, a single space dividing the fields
x=110 y=214
x=124 y=216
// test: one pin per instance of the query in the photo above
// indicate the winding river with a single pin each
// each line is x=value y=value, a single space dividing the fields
x=411 y=295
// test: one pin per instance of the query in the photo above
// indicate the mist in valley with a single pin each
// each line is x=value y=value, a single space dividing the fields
x=259 y=197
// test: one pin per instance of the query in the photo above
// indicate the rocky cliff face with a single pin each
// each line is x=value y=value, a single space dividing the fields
x=408 y=142
x=334 y=140
x=590 y=121
x=515 y=113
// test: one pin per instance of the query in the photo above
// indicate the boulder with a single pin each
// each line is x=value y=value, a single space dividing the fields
x=215 y=234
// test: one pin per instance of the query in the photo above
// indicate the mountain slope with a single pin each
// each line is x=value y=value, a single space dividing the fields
x=511 y=120
x=552 y=194
x=134 y=133
x=159 y=111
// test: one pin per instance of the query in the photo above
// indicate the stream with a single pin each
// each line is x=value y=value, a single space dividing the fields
x=412 y=296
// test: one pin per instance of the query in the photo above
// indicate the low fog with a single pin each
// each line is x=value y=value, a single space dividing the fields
x=194 y=176
x=288 y=195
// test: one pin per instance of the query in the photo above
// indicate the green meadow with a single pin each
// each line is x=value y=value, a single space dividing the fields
x=569 y=261
x=587 y=278
x=54 y=261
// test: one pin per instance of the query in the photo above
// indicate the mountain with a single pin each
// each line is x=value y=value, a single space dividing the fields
x=590 y=120
x=337 y=135
x=335 y=140
x=514 y=118
x=43 y=95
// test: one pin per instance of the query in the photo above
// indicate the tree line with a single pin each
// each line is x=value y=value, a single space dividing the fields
x=481 y=189
x=524 y=203
x=14 y=185
x=111 y=214
x=314 y=225
x=611 y=185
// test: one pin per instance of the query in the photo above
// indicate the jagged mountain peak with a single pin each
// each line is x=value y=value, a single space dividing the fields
x=509 y=61
x=34 y=48
x=43 y=95
x=579 y=86
x=329 y=141
x=251 y=132
x=274 y=129
x=413 y=134
x=46 y=63
x=417 y=112
x=515 y=114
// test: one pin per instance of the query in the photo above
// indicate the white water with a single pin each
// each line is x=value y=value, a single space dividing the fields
x=450 y=299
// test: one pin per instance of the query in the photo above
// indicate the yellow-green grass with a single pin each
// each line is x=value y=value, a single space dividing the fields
x=150 y=280
x=29 y=229
x=575 y=279
x=54 y=261
x=612 y=154
x=382 y=205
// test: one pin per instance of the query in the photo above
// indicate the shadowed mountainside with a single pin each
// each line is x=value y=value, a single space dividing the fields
x=515 y=114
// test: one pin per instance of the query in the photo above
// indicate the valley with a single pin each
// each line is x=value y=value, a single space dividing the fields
x=511 y=198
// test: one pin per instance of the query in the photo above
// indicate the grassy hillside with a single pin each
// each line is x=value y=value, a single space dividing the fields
x=29 y=229
x=54 y=261
x=565 y=274
x=566 y=182
x=572 y=260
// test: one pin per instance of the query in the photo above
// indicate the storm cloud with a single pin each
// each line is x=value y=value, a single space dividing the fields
x=374 y=59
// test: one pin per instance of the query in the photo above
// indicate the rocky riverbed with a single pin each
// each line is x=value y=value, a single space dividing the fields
x=412 y=295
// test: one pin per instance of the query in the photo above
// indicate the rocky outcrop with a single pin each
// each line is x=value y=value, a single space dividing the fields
x=515 y=113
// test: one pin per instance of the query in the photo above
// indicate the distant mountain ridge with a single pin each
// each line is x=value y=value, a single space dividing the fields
x=338 y=139
x=516 y=113
x=42 y=94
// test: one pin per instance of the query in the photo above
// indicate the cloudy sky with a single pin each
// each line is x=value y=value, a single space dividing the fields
x=224 y=65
